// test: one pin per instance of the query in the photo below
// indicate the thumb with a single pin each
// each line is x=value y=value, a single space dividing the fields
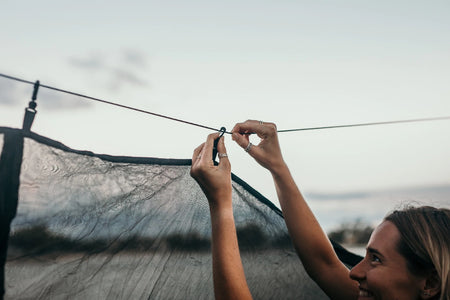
x=244 y=142
x=241 y=140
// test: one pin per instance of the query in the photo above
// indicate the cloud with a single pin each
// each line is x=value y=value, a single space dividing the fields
x=14 y=93
x=90 y=62
x=127 y=69
x=10 y=92
x=135 y=58
x=114 y=72
x=121 y=77
x=53 y=100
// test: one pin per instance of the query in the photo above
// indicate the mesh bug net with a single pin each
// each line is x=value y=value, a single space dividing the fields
x=88 y=226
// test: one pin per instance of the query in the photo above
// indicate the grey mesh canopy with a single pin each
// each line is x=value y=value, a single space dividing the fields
x=88 y=226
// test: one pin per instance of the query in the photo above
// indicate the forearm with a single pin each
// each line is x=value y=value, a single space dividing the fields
x=215 y=181
x=308 y=237
x=228 y=272
x=310 y=241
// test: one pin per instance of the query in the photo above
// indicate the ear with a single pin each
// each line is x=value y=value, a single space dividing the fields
x=432 y=286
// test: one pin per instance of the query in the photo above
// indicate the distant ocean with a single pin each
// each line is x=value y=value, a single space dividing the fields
x=369 y=207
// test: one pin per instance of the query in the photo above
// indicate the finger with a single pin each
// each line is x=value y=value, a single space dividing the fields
x=239 y=133
x=267 y=130
x=241 y=140
x=245 y=144
x=223 y=160
x=196 y=153
x=262 y=129
x=208 y=148
x=253 y=126
x=249 y=126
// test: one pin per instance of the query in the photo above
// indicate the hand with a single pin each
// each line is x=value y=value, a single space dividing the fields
x=215 y=181
x=267 y=153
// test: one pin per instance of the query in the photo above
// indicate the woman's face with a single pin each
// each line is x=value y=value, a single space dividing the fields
x=383 y=273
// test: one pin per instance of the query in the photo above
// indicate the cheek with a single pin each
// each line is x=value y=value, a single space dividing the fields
x=392 y=284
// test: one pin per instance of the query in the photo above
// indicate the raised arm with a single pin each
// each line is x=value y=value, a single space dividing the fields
x=215 y=181
x=310 y=241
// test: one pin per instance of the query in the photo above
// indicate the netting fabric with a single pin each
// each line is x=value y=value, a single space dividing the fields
x=101 y=227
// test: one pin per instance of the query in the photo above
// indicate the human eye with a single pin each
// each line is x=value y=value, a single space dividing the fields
x=375 y=258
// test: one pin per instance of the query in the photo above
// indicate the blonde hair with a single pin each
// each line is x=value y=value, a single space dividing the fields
x=425 y=242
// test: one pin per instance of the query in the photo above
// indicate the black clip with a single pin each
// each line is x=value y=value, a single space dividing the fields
x=31 y=111
x=216 y=141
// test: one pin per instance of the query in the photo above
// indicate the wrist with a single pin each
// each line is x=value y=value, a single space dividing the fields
x=220 y=201
x=279 y=170
x=221 y=211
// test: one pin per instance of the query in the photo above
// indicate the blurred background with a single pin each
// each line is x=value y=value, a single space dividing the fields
x=296 y=63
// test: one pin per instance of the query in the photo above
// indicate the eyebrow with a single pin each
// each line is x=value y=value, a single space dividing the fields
x=373 y=250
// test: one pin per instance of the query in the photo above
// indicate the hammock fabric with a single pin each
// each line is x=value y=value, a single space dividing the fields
x=78 y=225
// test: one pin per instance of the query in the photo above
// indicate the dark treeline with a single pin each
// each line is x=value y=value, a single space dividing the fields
x=352 y=233
x=39 y=240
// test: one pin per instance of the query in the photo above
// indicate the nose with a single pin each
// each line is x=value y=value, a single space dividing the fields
x=358 y=272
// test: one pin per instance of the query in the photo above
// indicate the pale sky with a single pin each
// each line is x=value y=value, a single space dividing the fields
x=296 y=63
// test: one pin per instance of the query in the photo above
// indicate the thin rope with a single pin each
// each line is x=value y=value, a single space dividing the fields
x=215 y=129
x=111 y=103
x=368 y=124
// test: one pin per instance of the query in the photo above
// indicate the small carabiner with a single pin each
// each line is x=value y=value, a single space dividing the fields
x=216 y=141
